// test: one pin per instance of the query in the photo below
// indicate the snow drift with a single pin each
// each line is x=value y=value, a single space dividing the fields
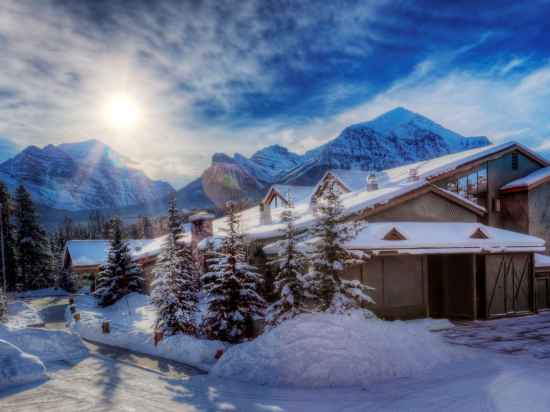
x=48 y=345
x=17 y=367
x=318 y=350
x=22 y=315
x=132 y=324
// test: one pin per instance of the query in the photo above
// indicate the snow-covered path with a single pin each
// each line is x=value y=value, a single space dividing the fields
x=107 y=381
x=492 y=383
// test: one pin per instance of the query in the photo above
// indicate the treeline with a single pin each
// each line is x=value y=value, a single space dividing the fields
x=98 y=226
x=34 y=258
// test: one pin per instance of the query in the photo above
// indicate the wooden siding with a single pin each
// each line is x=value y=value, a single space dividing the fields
x=399 y=284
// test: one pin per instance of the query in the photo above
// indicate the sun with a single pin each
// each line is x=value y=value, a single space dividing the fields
x=121 y=111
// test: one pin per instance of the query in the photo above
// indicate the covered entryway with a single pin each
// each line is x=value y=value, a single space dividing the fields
x=451 y=285
x=542 y=286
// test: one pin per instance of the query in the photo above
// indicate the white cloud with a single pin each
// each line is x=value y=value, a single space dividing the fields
x=59 y=70
x=470 y=103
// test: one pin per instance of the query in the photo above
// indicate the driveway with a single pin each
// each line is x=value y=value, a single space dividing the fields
x=524 y=335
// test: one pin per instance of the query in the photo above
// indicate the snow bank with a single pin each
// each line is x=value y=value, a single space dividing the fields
x=318 y=350
x=41 y=293
x=17 y=367
x=132 y=321
x=22 y=315
x=48 y=345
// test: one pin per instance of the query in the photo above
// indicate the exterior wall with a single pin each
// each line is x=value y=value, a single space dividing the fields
x=426 y=208
x=499 y=173
x=399 y=284
x=539 y=213
x=515 y=212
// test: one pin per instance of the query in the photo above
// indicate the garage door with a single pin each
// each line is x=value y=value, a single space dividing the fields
x=509 y=283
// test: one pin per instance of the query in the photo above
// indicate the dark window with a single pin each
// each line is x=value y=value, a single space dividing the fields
x=515 y=161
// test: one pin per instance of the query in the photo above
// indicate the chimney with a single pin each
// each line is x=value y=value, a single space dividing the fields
x=413 y=174
x=201 y=227
x=265 y=214
x=372 y=182
x=313 y=205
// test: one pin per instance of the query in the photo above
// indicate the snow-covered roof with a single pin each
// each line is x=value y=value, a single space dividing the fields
x=437 y=238
x=201 y=216
x=430 y=235
x=95 y=252
x=392 y=183
x=298 y=194
x=354 y=180
x=542 y=261
x=527 y=182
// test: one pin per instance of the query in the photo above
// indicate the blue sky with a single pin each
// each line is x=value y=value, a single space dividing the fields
x=236 y=76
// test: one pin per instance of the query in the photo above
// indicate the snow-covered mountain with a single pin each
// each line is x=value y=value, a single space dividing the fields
x=78 y=176
x=395 y=138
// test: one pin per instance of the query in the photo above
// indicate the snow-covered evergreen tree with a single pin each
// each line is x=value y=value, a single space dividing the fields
x=175 y=285
x=33 y=248
x=290 y=264
x=231 y=286
x=9 y=237
x=324 y=286
x=3 y=306
x=120 y=275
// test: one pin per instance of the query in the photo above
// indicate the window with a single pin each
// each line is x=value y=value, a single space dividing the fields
x=472 y=186
x=515 y=161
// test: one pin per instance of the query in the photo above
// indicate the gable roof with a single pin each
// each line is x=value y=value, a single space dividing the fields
x=535 y=179
x=441 y=236
x=95 y=252
x=434 y=238
x=393 y=186
x=297 y=193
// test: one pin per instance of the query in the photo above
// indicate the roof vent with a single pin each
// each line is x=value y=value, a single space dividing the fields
x=394 y=234
x=413 y=174
x=372 y=182
x=479 y=234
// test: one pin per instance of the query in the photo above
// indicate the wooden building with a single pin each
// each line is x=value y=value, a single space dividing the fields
x=457 y=242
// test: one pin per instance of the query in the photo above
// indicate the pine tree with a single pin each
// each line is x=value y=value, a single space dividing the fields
x=3 y=306
x=328 y=256
x=146 y=228
x=175 y=288
x=290 y=263
x=232 y=287
x=120 y=275
x=9 y=238
x=33 y=249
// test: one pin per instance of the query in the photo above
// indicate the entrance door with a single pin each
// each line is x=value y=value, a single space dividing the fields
x=509 y=284
x=451 y=286
x=543 y=293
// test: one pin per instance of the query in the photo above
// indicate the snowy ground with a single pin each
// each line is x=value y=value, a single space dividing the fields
x=131 y=322
x=25 y=349
x=493 y=379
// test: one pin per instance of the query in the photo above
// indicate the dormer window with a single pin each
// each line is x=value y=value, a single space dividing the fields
x=394 y=234
x=479 y=234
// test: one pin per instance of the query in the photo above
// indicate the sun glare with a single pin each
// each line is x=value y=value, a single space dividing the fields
x=122 y=112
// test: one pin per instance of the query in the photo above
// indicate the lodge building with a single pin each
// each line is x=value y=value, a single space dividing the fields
x=460 y=236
